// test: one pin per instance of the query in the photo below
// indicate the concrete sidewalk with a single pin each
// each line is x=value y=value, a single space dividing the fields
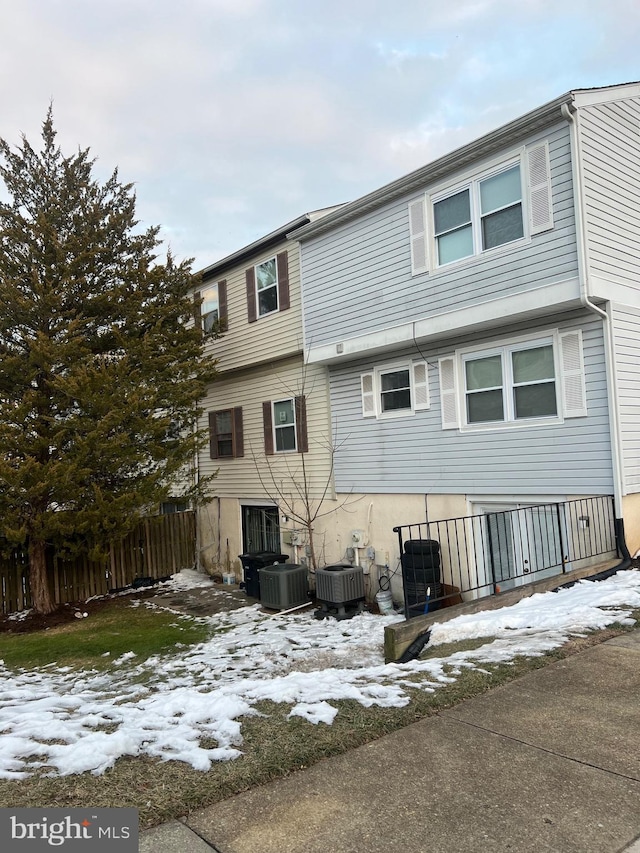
x=549 y=762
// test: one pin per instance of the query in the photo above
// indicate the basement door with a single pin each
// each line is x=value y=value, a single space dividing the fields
x=260 y=529
x=522 y=543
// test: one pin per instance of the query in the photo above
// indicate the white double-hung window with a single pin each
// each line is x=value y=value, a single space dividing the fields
x=395 y=390
x=530 y=380
x=472 y=214
x=483 y=215
x=510 y=384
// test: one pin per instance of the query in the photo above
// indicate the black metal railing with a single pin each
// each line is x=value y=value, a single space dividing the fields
x=479 y=555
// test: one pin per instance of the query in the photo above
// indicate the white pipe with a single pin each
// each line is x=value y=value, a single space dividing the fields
x=290 y=610
x=570 y=114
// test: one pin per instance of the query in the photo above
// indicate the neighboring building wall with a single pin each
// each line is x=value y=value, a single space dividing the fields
x=268 y=338
x=255 y=477
x=414 y=453
x=626 y=330
x=610 y=146
x=357 y=277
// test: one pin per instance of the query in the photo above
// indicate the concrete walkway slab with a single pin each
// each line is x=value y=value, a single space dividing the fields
x=546 y=764
x=438 y=785
x=173 y=837
x=585 y=707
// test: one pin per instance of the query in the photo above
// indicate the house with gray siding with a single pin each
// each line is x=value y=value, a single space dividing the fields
x=479 y=319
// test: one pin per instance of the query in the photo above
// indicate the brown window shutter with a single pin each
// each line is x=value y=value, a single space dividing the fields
x=282 y=264
x=251 y=295
x=238 y=432
x=197 y=310
x=267 y=421
x=222 y=305
x=213 y=436
x=301 y=425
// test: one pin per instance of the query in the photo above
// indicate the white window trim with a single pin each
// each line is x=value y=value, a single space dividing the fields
x=293 y=425
x=259 y=316
x=371 y=388
x=536 y=199
x=504 y=349
x=569 y=377
x=472 y=183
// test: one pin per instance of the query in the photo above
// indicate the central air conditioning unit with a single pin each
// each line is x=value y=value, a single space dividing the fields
x=283 y=586
x=340 y=591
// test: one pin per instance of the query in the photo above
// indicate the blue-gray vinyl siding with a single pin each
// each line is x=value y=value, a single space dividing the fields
x=610 y=142
x=357 y=278
x=626 y=322
x=415 y=455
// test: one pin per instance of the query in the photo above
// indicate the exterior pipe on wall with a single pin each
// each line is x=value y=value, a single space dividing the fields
x=569 y=113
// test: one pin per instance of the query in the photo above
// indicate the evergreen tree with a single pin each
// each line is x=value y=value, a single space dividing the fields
x=100 y=369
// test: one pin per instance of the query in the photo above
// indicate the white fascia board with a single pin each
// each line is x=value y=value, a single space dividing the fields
x=591 y=97
x=543 y=301
x=610 y=290
x=386 y=339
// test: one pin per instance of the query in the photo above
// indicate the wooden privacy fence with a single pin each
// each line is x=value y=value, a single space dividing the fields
x=160 y=546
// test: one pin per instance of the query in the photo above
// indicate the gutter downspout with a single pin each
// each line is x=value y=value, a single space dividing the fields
x=569 y=113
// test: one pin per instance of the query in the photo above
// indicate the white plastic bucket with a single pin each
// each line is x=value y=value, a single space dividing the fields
x=228 y=578
x=384 y=601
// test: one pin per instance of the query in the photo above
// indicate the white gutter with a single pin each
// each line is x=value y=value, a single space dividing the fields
x=570 y=113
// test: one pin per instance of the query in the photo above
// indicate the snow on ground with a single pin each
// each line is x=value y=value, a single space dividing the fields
x=69 y=722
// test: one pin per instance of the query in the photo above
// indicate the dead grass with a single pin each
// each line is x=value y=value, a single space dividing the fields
x=274 y=746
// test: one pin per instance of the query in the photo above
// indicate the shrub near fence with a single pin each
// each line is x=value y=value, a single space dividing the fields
x=160 y=546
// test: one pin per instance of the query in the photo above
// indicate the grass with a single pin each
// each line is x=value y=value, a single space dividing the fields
x=94 y=642
x=274 y=746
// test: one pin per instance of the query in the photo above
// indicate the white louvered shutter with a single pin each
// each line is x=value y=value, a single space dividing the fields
x=574 y=395
x=368 y=395
x=539 y=176
x=448 y=402
x=420 y=385
x=418 y=236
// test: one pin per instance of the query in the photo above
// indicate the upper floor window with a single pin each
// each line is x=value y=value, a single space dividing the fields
x=484 y=215
x=210 y=308
x=395 y=390
x=528 y=380
x=502 y=205
x=268 y=287
x=226 y=433
x=285 y=425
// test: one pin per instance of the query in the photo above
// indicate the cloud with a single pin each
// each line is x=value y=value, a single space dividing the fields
x=234 y=116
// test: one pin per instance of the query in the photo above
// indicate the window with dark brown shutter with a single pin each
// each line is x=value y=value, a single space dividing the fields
x=226 y=438
x=285 y=426
x=238 y=432
x=251 y=295
x=197 y=309
x=284 y=301
x=222 y=305
x=267 y=422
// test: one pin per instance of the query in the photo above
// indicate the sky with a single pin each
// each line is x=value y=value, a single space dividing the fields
x=234 y=117
x=62 y=721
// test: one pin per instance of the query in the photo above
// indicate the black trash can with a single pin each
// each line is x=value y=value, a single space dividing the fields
x=421 y=575
x=251 y=565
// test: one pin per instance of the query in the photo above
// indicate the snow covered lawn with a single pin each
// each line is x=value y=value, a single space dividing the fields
x=68 y=722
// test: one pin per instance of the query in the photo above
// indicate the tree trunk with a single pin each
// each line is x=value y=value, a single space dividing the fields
x=41 y=598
